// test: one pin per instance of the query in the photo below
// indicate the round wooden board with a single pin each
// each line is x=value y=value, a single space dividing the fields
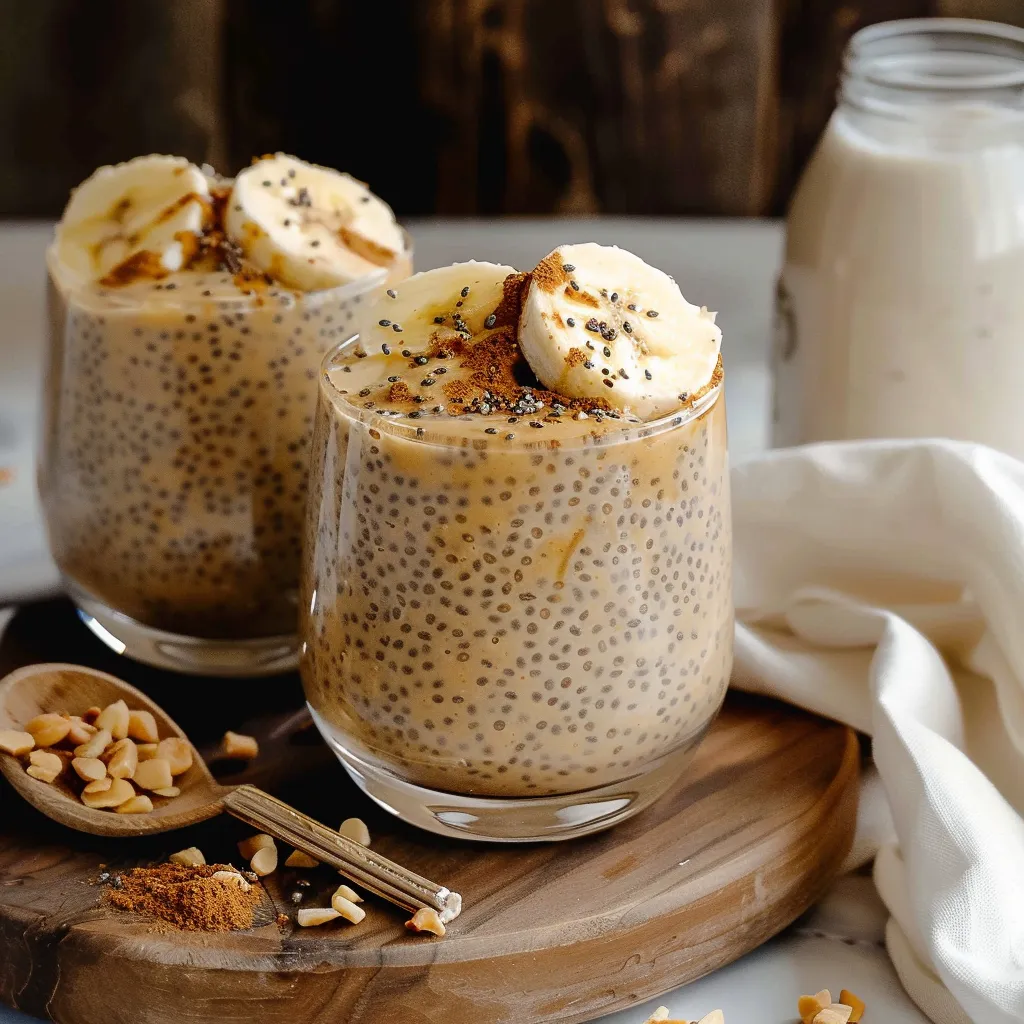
x=562 y=932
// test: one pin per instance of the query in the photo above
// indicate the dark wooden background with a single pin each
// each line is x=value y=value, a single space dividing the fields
x=444 y=106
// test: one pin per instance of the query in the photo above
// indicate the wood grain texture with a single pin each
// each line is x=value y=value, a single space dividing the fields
x=561 y=932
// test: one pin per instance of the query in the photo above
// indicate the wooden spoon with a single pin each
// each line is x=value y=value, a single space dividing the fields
x=38 y=689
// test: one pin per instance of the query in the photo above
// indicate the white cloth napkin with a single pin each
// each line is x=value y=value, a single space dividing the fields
x=882 y=584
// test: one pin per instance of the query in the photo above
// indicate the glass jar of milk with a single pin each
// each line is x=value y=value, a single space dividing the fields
x=900 y=306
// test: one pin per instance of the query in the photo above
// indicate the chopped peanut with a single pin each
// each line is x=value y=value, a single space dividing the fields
x=857 y=1007
x=426 y=919
x=264 y=861
x=80 y=731
x=89 y=768
x=348 y=893
x=142 y=726
x=95 y=745
x=356 y=830
x=114 y=795
x=154 y=774
x=311 y=917
x=834 y=1013
x=98 y=785
x=347 y=909
x=147 y=751
x=298 y=859
x=136 y=805
x=810 y=1006
x=114 y=718
x=247 y=847
x=190 y=857
x=122 y=759
x=42 y=774
x=14 y=742
x=714 y=1017
x=46 y=761
x=166 y=791
x=239 y=747
x=91 y=714
x=232 y=878
x=48 y=730
x=177 y=752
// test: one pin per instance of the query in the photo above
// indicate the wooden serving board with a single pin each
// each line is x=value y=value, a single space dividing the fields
x=563 y=932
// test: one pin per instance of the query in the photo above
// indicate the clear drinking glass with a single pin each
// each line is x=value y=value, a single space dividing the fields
x=900 y=308
x=515 y=640
x=173 y=461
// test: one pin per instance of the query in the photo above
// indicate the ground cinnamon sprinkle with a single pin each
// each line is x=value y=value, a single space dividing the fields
x=186 y=897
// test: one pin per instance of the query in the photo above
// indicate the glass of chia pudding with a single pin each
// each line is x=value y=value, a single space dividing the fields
x=186 y=327
x=516 y=609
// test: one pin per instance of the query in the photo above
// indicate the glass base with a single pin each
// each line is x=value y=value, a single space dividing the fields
x=263 y=656
x=514 y=819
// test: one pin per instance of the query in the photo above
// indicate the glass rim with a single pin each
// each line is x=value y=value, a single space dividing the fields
x=624 y=432
x=865 y=55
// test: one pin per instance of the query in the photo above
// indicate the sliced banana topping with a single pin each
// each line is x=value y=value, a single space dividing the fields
x=310 y=227
x=599 y=322
x=142 y=217
x=457 y=302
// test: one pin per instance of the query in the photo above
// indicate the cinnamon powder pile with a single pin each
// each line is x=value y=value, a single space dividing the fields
x=186 y=897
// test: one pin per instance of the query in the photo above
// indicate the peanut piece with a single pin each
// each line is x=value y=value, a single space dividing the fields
x=114 y=718
x=47 y=761
x=95 y=745
x=167 y=791
x=147 y=751
x=155 y=774
x=17 y=743
x=356 y=830
x=89 y=768
x=136 y=805
x=857 y=1007
x=298 y=859
x=99 y=785
x=191 y=857
x=714 y=1017
x=426 y=919
x=311 y=917
x=116 y=794
x=232 y=878
x=42 y=774
x=834 y=1013
x=48 y=730
x=247 y=847
x=142 y=726
x=176 y=751
x=80 y=731
x=91 y=714
x=122 y=759
x=347 y=909
x=659 y=1015
x=810 y=1006
x=264 y=861
x=239 y=747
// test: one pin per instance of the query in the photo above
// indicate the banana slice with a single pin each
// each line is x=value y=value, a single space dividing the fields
x=153 y=205
x=598 y=322
x=310 y=227
x=457 y=302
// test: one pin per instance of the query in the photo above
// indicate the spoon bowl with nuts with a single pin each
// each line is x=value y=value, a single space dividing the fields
x=95 y=754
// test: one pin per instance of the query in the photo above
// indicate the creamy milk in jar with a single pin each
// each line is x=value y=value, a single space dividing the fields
x=900 y=306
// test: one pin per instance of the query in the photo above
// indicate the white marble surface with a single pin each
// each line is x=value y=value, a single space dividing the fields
x=729 y=266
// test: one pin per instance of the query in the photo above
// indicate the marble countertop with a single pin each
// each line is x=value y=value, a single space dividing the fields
x=727 y=265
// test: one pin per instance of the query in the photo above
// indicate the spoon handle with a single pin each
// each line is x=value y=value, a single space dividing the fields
x=353 y=860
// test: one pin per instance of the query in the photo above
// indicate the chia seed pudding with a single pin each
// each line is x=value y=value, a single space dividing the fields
x=179 y=408
x=508 y=591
